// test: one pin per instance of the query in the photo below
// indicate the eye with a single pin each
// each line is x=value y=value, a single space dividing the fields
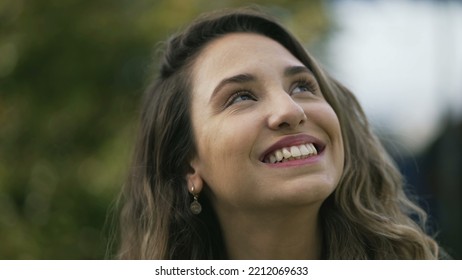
x=240 y=96
x=304 y=86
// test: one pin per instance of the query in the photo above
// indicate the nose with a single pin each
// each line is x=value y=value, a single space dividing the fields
x=285 y=112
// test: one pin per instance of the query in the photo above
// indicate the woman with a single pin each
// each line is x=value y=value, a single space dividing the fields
x=248 y=150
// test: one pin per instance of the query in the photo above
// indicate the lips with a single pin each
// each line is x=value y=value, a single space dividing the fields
x=293 y=148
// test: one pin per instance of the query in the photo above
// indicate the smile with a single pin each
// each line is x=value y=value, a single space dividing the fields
x=302 y=151
x=293 y=149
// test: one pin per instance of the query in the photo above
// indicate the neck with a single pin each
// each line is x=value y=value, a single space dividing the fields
x=275 y=234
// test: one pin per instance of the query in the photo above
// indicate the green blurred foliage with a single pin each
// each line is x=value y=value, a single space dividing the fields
x=71 y=76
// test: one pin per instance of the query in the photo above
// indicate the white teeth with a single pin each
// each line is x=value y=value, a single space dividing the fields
x=272 y=159
x=286 y=153
x=295 y=151
x=304 y=150
x=292 y=153
x=312 y=149
x=279 y=155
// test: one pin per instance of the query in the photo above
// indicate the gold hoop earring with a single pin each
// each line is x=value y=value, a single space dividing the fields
x=195 y=206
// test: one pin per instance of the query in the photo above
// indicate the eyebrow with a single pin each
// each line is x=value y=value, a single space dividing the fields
x=294 y=70
x=245 y=78
x=238 y=79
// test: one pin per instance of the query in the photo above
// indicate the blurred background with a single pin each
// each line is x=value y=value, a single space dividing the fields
x=72 y=73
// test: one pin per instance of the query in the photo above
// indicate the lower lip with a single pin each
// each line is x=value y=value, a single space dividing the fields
x=297 y=162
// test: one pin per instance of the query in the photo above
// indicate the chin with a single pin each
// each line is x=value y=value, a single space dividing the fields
x=309 y=192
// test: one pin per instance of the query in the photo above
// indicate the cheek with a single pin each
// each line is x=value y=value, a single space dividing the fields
x=223 y=155
x=325 y=116
x=335 y=133
x=223 y=146
x=227 y=157
x=327 y=119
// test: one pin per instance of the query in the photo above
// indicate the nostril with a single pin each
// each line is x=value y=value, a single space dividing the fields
x=286 y=115
x=284 y=125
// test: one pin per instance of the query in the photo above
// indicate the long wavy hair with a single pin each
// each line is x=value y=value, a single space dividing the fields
x=368 y=216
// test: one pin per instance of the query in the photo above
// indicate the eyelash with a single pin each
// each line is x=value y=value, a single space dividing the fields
x=309 y=84
x=237 y=94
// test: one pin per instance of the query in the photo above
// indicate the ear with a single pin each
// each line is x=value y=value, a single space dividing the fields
x=194 y=179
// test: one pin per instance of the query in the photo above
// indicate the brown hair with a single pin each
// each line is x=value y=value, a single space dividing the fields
x=367 y=217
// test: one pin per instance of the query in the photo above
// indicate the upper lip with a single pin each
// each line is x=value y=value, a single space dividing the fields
x=294 y=140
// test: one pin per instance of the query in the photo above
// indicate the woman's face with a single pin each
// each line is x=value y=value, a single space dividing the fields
x=265 y=135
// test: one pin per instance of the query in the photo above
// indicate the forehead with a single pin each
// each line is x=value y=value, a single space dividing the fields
x=238 y=53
